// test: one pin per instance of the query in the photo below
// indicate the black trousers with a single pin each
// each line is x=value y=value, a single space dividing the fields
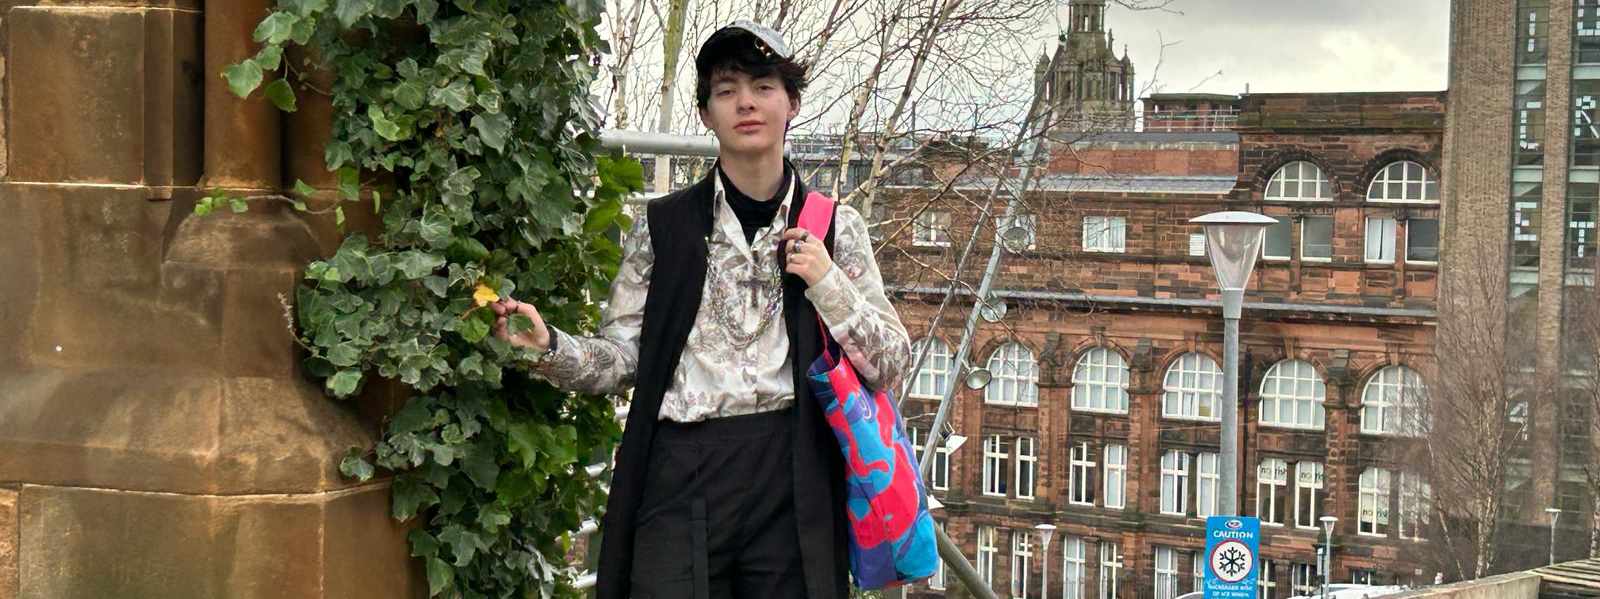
x=717 y=517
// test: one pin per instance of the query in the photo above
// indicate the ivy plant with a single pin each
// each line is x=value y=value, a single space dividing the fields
x=477 y=116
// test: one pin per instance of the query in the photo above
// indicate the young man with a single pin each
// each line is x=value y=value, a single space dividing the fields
x=729 y=482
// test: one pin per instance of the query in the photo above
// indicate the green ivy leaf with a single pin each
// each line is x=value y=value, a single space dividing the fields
x=344 y=355
x=385 y=128
x=462 y=181
x=426 y=9
x=238 y=205
x=411 y=494
x=344 y=382
x=303 y=189
x=493 y=517
x=356 y=466
x=349 y=183
x=415 y=264
x=493 y=128
x=523 y=441
x=481 y=466
x=411 y=94
x=435 y=229
x=276 y=27
x=456 y=96
x=477 y=324
x=338 y=216
x=518 y=324
x=467 y=249
x=602 y=218
x=463 y=544
x=306 y=7
x=243 y=78
x=422 y=543
x=278 y=91
x=439 y=576
x=350 y=11
x=269 y=58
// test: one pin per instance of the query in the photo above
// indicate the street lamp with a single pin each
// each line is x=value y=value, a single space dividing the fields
x=1046 y=531
x=1233 y=239
x=1327 y=551
x=1555 y=514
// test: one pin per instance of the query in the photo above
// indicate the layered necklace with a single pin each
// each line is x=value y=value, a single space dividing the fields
x=726 y=309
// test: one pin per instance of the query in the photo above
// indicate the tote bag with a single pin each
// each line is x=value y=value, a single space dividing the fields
x=892 y=540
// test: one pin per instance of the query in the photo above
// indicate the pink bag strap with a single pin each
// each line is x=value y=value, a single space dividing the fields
x=817 y=217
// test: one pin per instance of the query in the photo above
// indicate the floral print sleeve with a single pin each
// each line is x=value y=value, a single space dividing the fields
x=851 y=300
x=607 y=362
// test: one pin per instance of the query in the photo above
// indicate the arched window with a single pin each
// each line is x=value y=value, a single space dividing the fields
x=1299 y=180
x=1193 y=385
x=1394 y=402
x=1403 y=181
x=1014 y=379
x=1100 y=382
x=933 y=379
x=1292 y=395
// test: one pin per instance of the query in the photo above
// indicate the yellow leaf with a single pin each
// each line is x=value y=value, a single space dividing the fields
x=483 y=295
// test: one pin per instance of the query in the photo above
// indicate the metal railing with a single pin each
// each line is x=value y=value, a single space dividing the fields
x=1190 y=120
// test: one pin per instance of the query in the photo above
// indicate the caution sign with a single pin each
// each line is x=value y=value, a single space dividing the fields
x=1232 y=543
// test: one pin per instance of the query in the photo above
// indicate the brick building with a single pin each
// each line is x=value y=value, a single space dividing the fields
x=1100 y=417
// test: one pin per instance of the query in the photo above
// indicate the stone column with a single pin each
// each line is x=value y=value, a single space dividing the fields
x=157 y=438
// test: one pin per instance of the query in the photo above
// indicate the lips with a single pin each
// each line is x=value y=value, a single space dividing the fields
x=747 y=126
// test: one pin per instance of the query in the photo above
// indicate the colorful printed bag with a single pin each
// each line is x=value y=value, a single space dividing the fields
x=891 y=533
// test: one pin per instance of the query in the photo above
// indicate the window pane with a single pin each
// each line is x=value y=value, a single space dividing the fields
x=1422 y=240
x=1277 y=243
x=1380 y=239
x=1100 y=381
x=1316 y=237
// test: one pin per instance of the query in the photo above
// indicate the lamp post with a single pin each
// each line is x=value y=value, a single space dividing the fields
x=1046 y=531
x=1555 y=514
x=1233 y=240
x=1327 y=551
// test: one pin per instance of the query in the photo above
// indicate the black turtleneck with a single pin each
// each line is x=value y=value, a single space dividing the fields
x=754 y=215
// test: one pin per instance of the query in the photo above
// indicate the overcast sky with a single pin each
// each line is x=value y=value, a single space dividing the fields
x=1285 y=45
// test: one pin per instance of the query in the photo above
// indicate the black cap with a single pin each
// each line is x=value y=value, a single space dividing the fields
x=743 y=33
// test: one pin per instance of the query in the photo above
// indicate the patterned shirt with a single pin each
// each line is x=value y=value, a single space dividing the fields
x=736 y=360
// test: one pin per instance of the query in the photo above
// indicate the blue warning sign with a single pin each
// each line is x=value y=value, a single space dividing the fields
x=1232 y=543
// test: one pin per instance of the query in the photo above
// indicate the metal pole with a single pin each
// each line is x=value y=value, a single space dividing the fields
x=947 y=549
x=1232 y=305
x=964 y=571
x=1327 y=562
x=1322 y=563
x=1044 y=574
x=1554 y=516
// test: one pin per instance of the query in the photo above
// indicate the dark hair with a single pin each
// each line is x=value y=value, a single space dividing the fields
x=746 y=58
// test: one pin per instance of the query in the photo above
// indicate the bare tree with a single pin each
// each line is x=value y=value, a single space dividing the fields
x=625 y=31
x=1480 y=383
x=1583 y=348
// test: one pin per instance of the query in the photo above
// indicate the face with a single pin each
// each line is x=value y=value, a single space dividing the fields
x=748 y=115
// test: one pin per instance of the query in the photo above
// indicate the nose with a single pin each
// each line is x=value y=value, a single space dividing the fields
x=747 y=100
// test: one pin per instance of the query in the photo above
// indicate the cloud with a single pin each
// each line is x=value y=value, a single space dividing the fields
x=1285 y=45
